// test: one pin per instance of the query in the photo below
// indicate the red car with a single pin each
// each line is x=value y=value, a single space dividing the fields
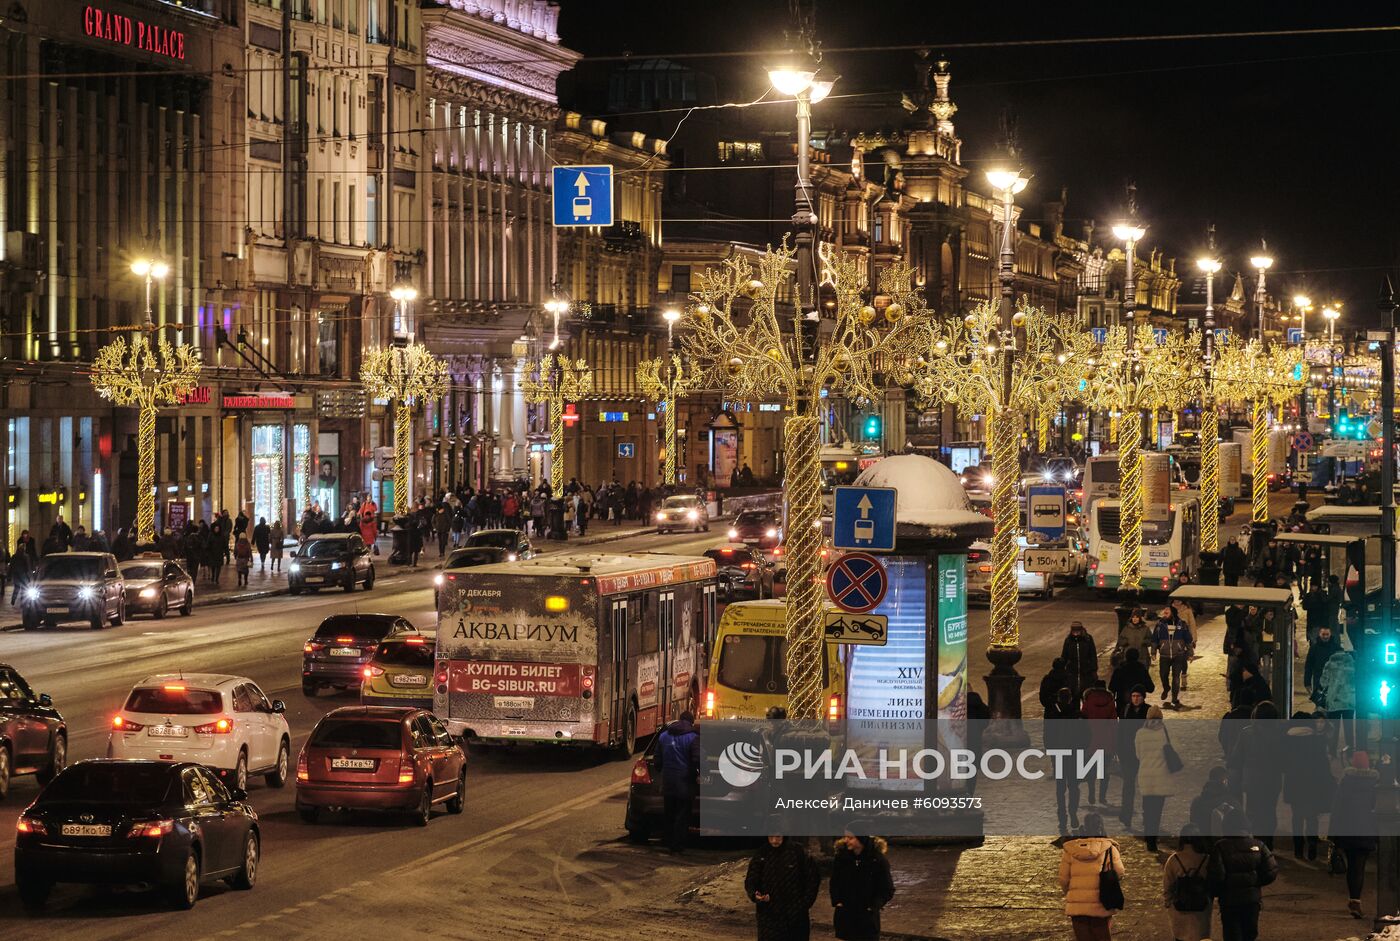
x=381 y=758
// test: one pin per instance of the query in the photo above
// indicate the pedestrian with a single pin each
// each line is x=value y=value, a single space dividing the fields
x=782 y=882
x=369 y=523
x=1173 y=642
x=1051 y=684
x=860 y=886
x=262 y=539
x=442 y=528
x=1186 y=615
x=1136 y=633
x=1256 y=769
x=1083 y=861
x=1315 y=608
x=1249 y=688
x=1130 y=722
x=1214 y=792
x=1100 y=711
x=276 y=537
x=1334 y=602
x=1155 y=771
x=242 y=559
x=214 y=552
x=1352 y=826
x=1081 y=658
x=1127 y=676
x=1233 y=563
x=1320 y=649
x=1307 y=780
x=415 y=539
x=21 y=567
x=1185 y=888
x=1339 y=693
x=678 y=758
x=1239 y=868
x=1065 y=731
x=240 y=525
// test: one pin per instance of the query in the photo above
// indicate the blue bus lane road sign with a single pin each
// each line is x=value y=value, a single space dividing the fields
x=864 y=518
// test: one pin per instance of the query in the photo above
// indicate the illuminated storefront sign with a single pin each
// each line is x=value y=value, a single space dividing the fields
x=260 y=400
x=199 y=395
x=124 y=31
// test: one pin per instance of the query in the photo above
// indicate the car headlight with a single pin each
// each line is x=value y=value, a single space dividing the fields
x=148 y=592
x=511 y=556
x=772 y=533
x=337 y=565
x=692 y=515
x=31 y=593
x=294 y=567
x=734 y=534
x=660 y=517
x=87 y=593
x=437 y=579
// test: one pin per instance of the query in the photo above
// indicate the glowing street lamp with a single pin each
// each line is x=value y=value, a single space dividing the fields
x=1130 y=431
x=403 y=295
x=1331 y=314
x=801 y=79
x=1262 y=263
x=1209 y=435
x=152 y=271
x=665 y=382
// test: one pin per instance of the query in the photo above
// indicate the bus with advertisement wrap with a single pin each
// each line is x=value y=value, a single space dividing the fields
x=590 y=649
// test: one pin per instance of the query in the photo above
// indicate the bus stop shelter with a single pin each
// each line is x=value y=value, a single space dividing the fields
x=1280 y=650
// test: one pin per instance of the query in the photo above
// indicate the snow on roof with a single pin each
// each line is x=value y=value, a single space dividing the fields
x=1229 y=594
x=1332 y=509
x=929 y=493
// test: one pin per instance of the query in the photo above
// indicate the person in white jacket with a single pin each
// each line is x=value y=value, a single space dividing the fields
x=1081 y=862
x=1154 y=781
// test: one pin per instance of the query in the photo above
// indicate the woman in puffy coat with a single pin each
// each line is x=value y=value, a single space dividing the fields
x=1154 y=781
x=860 y=886
x=1081 y=861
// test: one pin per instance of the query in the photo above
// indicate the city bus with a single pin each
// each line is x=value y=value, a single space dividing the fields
x=1171 y=548
x=574 y=649
x=1100 y=480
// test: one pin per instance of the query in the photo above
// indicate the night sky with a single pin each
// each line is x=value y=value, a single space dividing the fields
x=1292 y=139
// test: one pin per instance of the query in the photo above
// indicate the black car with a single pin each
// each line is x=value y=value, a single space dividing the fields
x=763 y=528
x=469 y=557
x=337 y=653
x=512 y=540
x=172 y=825
x=155 y=585
x=74 y=586
x=719 y=807
x=740 y=570
x=330 y=560
x=33 y=736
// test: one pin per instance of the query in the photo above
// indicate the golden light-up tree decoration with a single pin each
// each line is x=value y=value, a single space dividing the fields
x=965 y=365
x=148 y=374
x=743 y=337
x=666 y=380
x=553 y=380
x=1247 y=372
x=406 y=375
x=1132 y=373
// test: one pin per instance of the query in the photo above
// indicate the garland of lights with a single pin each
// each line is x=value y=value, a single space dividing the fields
x=552 y=381
x=666 y=388
x=746 y=338
x=1210 y=474
x=133 y=371
x=1247 y=372
x=407 y=375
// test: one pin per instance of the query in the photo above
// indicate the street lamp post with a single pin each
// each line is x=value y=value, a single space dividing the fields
x=1302 y=304
x=1330 y=314
x=665 y=380
x=1262 y=263
x=403 y=295
x=152 y=271
x=1210 y=415
x=1130 y=426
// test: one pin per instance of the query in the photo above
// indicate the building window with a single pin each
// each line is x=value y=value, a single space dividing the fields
x=372 y=210
x=879 y=227
x=328 y=343
x=740 y=151
x=680 y=279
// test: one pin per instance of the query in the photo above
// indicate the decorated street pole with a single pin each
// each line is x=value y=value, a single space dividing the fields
x=1210 y=415
x=1247 y=372
x=146 y=373
x=744 y=338
x=552 y=381
x=406 y=375
x=665 y=381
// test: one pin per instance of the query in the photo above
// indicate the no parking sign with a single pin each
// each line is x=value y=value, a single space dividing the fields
x=857 y=582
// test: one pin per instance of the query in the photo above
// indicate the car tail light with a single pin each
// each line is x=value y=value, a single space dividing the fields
x=311 y=646
x=155 y=829
x=1176 y=568
x=303 y=773
x=778 y=550
x=833 y=709
x=173 y=688
x=220 y=726
x=641 y=774
x=371 y=672
x=748 y=566
x=984 y=569
x=126 y=725
x=30 y=825
x=415 y=640
x=709 y=703
x=406 y=775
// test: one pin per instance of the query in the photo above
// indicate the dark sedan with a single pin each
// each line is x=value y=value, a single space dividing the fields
x=337 y=653
x=33 y=736
x=741 y=570
x=469 y=557
x=172 y=825
x=331 y=560
x=511 y=540
x=154 y=586
x=762 y=528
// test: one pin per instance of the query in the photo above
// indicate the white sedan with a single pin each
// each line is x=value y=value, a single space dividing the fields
x=979 y=574
x=223 y=722
x=684 y=512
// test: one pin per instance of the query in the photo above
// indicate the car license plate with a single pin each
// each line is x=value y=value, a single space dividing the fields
x=314 y=579
x=60 y=609
x=520 y=703
x=408 y=679
x=87 y=829
x=352 y=764
x=168 y=731
x=345 y=651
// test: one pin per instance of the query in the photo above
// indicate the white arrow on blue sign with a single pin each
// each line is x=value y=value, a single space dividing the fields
x=583 y=195
x=864 y=518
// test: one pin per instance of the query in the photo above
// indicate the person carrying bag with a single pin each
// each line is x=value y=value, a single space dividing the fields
x=1091 y=871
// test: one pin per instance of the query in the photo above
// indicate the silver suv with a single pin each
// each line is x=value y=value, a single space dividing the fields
x=74 y=586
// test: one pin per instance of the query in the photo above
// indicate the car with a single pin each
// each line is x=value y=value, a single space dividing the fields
x=469 y=557
x=337 y=653
x=763 y=528
x=155 y=585
x=330 y=560
x=684 y=511
x=511 y=540
x=223 y=722
x=74 y=586
x=741 y=570
x=381 y=758
x=719 y=807
x=400 y=673
x=979 y=574
x=33 y=735
x=173 y=825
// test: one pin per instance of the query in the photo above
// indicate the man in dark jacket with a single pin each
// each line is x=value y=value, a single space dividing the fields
x=1248 y=687
x=1233 y=562
x=1321 y=648
x=1050 y=684
x=1214 y=792
x=1129 y=674
x=1081 y=658
x=678 y=760
x=1129 y=722
x=782 y=882
x=1240 y=866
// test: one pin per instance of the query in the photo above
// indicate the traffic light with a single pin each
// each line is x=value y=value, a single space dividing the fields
x=872 y=427
x=1383 y=688
x=1347 y=426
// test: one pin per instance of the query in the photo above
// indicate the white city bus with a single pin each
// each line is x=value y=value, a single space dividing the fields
x=1170 y=547
x=573 y=649
x=1100 y=480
